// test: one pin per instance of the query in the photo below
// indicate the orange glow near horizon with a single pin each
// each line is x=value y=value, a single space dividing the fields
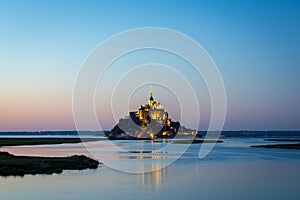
x=35 y=110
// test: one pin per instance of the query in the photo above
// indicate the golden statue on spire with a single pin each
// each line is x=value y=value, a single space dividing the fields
x=151 y=100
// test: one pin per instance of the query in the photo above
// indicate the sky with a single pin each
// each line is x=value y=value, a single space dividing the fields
x=255 y=45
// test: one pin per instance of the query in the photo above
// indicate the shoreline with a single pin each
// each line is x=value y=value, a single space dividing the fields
x=278 y=146
x=14 y=141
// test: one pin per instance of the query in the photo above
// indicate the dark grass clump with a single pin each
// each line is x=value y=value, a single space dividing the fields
x=11 y=165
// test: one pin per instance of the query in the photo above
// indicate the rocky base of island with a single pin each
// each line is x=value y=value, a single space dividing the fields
x=11 y=165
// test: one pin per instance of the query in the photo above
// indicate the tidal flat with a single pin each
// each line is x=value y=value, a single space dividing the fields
x=43 y=141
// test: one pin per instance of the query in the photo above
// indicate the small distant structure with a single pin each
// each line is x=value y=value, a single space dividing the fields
x=151 y=121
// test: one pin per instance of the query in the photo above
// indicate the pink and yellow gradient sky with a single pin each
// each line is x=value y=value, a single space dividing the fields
x=255 y=45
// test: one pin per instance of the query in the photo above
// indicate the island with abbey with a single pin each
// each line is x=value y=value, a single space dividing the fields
x=150 y=122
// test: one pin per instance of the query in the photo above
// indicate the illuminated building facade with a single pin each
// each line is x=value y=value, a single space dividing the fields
x=153 y=111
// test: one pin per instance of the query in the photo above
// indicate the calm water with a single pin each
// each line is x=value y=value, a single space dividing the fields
x=231 y=171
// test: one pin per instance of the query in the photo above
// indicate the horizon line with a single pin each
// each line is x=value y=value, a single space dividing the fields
x=273 y=130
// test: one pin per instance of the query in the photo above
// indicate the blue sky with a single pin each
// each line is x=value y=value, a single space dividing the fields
x=255 y=45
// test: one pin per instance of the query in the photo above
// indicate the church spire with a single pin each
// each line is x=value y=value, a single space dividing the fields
x=151 y=100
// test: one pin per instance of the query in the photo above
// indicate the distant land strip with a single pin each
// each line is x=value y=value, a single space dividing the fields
x=283 y=140
x=225 y=133
x=279 y=146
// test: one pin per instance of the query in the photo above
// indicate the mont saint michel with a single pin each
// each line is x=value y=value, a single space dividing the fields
x=151 y=121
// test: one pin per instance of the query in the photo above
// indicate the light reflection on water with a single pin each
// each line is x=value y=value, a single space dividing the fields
x=231 y=171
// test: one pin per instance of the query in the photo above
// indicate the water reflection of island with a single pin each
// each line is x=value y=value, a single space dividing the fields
x=152 y=180
x=144 y=154
x=151 y=121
